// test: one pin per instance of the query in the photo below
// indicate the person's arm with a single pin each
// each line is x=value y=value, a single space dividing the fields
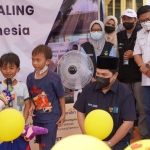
x=63 y=112
x=81 y=118
x=112 y=52
x=26 y=109
x=128 y=116
x=121 y=132
x=32 y=107
x=138 y=56
x=138 y=59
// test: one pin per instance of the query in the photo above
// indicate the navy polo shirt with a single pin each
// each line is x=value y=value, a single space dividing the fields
x=52 y=86
x=118 y=102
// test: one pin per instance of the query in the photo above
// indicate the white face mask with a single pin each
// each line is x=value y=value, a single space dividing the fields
x=42 y=70
x=146 y=25
x=96 y=35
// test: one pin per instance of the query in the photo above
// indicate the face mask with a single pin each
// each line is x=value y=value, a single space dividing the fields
x=109 y=29
x=128 y=25
x=146 y=25
x=43 y=70
x=96 y=35
x=103 y=82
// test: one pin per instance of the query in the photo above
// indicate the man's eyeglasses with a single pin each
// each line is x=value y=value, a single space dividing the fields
x=144 y=21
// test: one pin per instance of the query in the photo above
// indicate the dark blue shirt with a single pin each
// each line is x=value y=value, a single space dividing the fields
x=118 y=102
x=52 y=86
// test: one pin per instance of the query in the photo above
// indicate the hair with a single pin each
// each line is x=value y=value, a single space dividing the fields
x=113 y=71
x=44 y=49
x=10 y=58
x=142 y=10
x=75 y=45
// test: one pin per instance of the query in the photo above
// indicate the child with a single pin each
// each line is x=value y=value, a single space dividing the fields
x=10 y=66
x=47 y=94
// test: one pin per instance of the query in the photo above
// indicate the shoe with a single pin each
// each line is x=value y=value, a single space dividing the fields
x=33 y=131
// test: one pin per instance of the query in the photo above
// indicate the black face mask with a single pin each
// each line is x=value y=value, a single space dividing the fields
x=103 y=82
x=128 y=25
x=109 y=29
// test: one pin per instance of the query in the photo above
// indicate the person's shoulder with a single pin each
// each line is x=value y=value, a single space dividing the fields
x=90 y=86
x=31 y=75
x=123 y=89
x=121 y=32
x=109 y=43
x=141 y=31
x=86 y=43
x=53 y=75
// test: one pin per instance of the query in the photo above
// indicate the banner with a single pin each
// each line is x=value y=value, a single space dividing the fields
x=24 y=25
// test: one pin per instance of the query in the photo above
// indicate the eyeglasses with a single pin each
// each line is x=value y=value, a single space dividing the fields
x=96 y=30
x=144 y=21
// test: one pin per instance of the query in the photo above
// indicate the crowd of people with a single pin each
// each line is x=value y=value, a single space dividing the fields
x=121 y=81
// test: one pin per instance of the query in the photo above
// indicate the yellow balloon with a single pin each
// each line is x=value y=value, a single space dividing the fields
x=80 y=142
x=11 y=124
x=139 y=145
x=98 y=123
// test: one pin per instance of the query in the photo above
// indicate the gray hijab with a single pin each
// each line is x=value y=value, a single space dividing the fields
x=97 y=44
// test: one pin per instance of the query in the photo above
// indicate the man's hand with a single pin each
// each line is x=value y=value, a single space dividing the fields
x=143 y=69
x=60 y=120
x=128 y=54
x=148 y=73
x=31 y=110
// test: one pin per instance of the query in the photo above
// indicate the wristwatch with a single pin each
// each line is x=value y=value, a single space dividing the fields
x=148 y=65
x=109 y=143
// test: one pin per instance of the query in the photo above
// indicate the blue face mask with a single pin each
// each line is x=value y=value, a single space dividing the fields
x=96 y=35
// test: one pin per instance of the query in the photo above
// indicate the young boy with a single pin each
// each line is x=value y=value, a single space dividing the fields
x=9 y=67
x=47 y=97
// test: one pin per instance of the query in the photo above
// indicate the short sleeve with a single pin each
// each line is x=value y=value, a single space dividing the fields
x=59 y=88
x=128 y=112
x=137 y=49
x=28 y=88
x=80 y=104
x=25 y=93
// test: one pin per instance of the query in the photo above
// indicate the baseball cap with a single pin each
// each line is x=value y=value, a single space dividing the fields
x=129 y=13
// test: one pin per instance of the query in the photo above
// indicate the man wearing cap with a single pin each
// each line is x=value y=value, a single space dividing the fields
x=129 y=72
x=107 y=92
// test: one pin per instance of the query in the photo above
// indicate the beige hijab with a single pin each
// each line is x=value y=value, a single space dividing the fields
x=111 y=37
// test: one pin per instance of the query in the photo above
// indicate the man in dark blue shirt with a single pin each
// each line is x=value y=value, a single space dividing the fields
x=108 y=94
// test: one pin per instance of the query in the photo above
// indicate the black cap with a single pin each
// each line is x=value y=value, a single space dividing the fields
x=107 y=62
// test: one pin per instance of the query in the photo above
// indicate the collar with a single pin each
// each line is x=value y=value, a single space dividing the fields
x=113 y=88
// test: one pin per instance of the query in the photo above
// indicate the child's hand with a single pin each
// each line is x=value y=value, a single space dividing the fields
x=61 y=120
x=31 y=110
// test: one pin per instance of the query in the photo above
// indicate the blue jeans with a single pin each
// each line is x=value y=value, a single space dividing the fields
x=146 y=95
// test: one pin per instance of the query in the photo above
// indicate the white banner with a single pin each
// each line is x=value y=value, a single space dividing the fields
x=24 y=25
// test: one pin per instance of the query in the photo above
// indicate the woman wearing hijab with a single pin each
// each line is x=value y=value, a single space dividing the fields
x=97 y=45
x=111 y=24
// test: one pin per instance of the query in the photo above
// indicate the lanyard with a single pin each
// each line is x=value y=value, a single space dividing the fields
x=129 y=44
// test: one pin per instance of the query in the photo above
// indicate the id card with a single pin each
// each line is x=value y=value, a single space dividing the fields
x=125 y=61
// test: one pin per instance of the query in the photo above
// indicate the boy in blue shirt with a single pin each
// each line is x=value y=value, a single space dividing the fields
x=47 y=97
